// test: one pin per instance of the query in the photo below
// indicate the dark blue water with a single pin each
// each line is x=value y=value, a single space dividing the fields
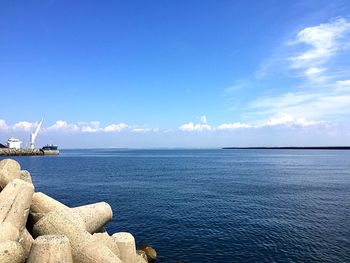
x=213 y=205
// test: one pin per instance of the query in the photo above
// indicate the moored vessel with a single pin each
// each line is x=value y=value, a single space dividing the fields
x=50 y=147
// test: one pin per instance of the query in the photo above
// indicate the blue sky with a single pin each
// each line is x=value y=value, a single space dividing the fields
x=176 y=73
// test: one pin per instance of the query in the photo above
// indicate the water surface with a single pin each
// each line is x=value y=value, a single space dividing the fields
x=213 y=205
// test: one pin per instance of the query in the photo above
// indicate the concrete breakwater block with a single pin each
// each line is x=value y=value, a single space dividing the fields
x=9 y=170
x=89 y=217
x=140 y=259
x=51 y=249
x=126 y=245
x=108 y=241
x=11 y=252
x=8 y=232
x=84 y=248
x=26 y=241
x=95 y=216
x=43 y=204
x=25 y=176
x=15 y=201
x=63 y=234
x=141 y=256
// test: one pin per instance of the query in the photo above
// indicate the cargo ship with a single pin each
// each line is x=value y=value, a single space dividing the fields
x=50 y=147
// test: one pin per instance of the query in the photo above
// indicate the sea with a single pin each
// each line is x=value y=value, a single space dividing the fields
x=212 y=205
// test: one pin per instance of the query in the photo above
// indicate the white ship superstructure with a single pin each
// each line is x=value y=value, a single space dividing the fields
x=13 y=143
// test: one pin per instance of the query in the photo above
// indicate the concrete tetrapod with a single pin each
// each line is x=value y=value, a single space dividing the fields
x=8 y=232
x=141 y=256
x=51 y=249
x=108 y=241
x=84 y=248
x=11 y=252
x=126 y=245
x=15 y=200
x=95 y=216
x=9 y=170
x=25 y=176
x=26 y=240
x=140 y=259
x=89 y=217
x=43 y=204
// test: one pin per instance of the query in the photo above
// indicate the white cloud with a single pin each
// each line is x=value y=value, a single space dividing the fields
x=85 y=127
x=323 y=41
x=3 y=125
x=145 y=130
x=63 y=126
x=89 y=127
x=203 y=120
x=315 y=74
x=310 y=72
x=187 y=127
x=284 y=119
x=202 y=126
x=342 y=86
x=275 y=104
x=309 y=104
x=115 y=127
x=281 y=119
x=234 y=126
x=24 y=126
x=323 y=92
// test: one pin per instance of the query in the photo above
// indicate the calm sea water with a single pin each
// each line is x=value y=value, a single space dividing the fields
x=213 y=205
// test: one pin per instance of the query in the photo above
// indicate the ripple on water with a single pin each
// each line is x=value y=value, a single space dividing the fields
x=213 y=205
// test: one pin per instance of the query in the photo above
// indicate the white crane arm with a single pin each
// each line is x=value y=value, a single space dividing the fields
x=35 y=133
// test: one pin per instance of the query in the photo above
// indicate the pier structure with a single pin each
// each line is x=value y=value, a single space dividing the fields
x=26 y=152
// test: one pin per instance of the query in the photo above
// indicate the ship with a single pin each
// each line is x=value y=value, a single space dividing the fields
x=13 y=143
x=50 y=147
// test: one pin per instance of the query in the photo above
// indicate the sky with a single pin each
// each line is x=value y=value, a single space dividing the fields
x=175 y=74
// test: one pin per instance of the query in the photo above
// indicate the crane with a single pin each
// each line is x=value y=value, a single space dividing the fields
x=34 y=134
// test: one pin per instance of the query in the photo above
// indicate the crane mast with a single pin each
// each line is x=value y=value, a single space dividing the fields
x=34 y=134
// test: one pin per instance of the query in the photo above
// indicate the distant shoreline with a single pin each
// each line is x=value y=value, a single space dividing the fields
x=290 y=148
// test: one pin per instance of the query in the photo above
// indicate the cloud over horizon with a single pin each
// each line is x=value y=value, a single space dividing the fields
x=282 y=120
x=322 y=91
x=62 y=126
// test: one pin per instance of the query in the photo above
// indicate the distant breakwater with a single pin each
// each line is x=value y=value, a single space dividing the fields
x=290 y=148
x=26 y=152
